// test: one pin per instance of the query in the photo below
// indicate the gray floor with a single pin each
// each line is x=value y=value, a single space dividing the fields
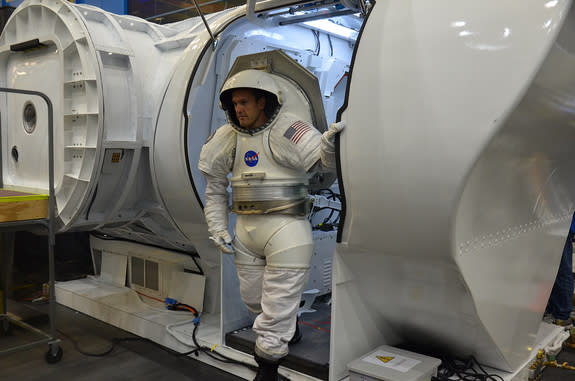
x=130 y=360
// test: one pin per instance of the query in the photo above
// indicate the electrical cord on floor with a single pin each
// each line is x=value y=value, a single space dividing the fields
x=174 y=305
x=469 y=369
x=211 y=351
x=214 y=355
x=114 y=341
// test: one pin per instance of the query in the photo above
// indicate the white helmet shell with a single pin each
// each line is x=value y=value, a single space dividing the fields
x=250 y=78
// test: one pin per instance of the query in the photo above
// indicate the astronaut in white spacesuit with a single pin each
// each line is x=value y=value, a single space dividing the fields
x=269 y=152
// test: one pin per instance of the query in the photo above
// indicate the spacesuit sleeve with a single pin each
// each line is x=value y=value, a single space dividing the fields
x=217 y=155
x=216 y=207
x=295 y=143
x=216 y=162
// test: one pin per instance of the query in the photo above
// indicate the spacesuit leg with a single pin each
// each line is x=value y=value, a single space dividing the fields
x=288 y=255
x=250 y=269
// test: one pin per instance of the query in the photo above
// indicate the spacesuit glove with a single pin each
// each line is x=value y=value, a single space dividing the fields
x=223 y=240
x=327 y=147
x=337 y=126
x=334 y=129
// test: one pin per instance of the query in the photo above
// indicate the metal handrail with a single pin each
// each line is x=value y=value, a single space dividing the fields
x=51 y=199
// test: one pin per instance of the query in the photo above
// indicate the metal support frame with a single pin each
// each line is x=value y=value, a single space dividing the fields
x=10 y=227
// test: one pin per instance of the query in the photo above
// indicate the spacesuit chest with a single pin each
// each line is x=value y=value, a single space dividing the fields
x=255 y=165
x=262 y=185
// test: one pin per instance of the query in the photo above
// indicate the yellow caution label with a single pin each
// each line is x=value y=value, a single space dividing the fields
x=385 y=359
x=116 y=156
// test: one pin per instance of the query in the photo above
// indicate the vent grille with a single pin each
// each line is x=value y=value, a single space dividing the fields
x=138 y=275
x=152 y=276
x=145 y=273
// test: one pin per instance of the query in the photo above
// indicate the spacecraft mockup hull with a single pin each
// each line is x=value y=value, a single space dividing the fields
x=455 y=161
x=457 y=172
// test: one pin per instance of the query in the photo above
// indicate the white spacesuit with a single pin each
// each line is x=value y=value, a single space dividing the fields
x=273 y=242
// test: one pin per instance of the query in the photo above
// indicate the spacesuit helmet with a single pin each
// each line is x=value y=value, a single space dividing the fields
x=264 y=85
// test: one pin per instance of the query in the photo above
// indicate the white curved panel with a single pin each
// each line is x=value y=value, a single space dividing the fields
x=100 y=71
x=441 y=90
x=63 y=68
x=170 y=160
x=456 y=181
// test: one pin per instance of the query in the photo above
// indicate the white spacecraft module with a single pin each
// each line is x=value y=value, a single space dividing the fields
x=458 y=177
x=134 y=102
x=456 y=163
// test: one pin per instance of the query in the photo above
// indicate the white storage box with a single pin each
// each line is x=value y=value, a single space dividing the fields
x=393 y=364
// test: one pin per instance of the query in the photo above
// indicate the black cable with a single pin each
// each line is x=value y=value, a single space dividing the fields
x=117 y=340
x=317 y=42
x=199 y=348
x=327 y=224
x=181 y=307
x=114 y=341
x=330 y=222
x=328 y=218
x=497 y=377
x=325 y=208
x=332 y=193
x=464 y=370
x=212 y=353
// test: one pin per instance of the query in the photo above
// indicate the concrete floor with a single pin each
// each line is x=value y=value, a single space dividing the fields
x=133 y=359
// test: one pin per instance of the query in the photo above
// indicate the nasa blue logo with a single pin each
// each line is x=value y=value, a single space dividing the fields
x=251 y=158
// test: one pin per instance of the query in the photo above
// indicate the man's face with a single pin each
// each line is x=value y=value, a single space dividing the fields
x=249 y=110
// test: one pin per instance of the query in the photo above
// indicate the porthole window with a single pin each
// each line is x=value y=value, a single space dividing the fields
x=29 y=117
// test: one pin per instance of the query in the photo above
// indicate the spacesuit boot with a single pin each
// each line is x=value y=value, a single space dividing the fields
x=267 y=369
x=297 y=335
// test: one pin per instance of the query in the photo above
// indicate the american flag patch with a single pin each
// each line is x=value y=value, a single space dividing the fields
x=296 y=131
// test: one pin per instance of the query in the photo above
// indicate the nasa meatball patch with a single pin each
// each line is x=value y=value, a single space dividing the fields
x=251 y=158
